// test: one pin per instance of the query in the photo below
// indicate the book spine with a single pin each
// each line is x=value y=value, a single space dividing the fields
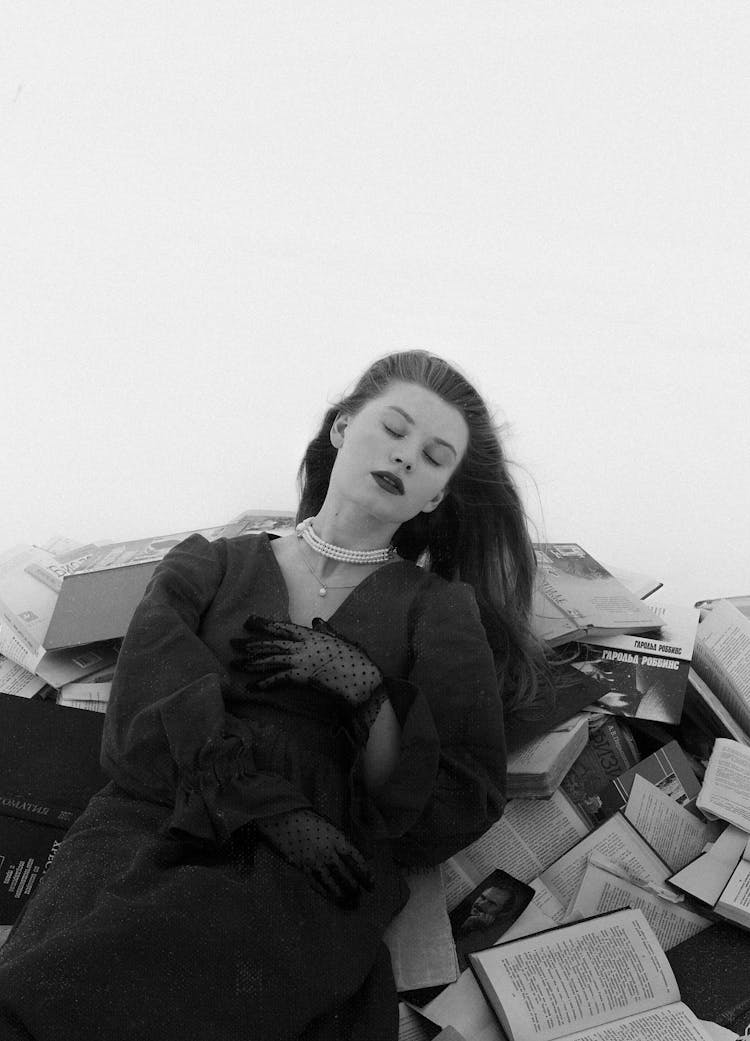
x=25 y=808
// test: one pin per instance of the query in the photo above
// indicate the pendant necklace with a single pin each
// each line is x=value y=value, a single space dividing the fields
x=323 y=590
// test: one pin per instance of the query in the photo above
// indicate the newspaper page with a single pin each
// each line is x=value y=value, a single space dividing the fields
x=722 y=656
x=531 y=834
x=677 y=835
x=604 y=889
x=419 y=938
x=726 y=785
x=577 y=977
x=618 y=841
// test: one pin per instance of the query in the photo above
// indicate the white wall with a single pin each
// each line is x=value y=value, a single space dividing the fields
x=214 y=215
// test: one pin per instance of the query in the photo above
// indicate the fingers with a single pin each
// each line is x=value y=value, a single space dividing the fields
x=343 y=878
x=255 y=624
x=320 y=625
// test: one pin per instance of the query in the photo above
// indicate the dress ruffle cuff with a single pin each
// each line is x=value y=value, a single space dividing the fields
x=219 y=788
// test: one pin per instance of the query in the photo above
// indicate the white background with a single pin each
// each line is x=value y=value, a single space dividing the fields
x=214 y=215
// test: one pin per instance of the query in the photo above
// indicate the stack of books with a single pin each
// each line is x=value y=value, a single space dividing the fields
x=625 y=841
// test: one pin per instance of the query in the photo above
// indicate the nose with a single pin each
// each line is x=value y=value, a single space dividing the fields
x=399 y=456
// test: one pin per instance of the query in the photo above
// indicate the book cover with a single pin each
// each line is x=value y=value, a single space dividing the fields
x=50 y=760
x=609 y=752
x=487 y=912
x=49 y=770
x=668 y=768
x=578 y=597
x=641 y=676
x=26 y=851
x=98 y=596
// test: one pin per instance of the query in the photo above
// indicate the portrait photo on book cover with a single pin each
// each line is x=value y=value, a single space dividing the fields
x=489 y=910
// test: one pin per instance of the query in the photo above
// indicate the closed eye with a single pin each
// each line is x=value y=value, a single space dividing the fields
x=393 y=433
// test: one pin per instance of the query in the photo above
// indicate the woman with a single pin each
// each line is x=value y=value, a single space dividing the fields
x=292 y=719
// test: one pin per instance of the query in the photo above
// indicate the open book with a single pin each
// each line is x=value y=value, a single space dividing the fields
x=603 y=979
x=722 y=656
x=577 y=597
x=720 y=876
x=725 y=793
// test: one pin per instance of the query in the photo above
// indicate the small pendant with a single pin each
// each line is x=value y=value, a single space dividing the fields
x=322 y=591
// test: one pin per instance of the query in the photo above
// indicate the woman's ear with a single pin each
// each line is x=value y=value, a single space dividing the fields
x=434 y=501
x=339 y=425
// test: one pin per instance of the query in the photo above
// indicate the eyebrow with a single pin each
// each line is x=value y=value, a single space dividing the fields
x=437 y=440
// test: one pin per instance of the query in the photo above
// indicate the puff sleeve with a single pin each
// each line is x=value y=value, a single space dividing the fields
x=167 y=735
x=453 y=669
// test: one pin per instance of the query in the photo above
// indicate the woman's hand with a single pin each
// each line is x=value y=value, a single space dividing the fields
x=311 y=843
x=275 y=653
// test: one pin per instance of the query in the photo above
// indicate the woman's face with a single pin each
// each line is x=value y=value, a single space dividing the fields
x=396 y=455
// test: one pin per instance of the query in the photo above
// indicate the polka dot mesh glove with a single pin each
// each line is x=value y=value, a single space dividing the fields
x=275 y=653
x=311 y=843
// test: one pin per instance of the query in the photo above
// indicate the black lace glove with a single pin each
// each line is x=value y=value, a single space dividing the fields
x=281 y=652
x=311 y=843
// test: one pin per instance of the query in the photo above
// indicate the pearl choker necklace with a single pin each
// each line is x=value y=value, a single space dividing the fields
x=306 y=531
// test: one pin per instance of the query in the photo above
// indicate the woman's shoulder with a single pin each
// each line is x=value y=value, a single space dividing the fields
x=435 y=590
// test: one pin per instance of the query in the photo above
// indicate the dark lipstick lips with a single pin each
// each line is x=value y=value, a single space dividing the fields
x=389 y=481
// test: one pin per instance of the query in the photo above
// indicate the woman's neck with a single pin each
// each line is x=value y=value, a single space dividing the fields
x=351 y=528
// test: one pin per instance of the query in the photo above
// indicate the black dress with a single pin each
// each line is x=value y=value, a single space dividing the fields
x=163 y=915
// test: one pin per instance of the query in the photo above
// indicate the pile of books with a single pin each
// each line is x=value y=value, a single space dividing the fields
x=625 y=841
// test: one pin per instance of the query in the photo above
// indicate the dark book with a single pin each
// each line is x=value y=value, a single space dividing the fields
x=26 y=851
x=610 y=751
x=711 y=969
x=49 y=770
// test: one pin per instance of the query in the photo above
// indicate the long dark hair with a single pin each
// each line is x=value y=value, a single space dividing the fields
x=477 y=534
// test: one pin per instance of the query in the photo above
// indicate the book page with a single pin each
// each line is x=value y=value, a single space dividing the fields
x=726 y=785
x=674 y=1023
x=677 y=835
x=708 y=874
x=576 y=977
x=616 y=840
x=463 y=1006
x=602 y=890
x=15 y=679
x=734 y=902
x=531 y=834
x=411 y=1024
x=419 y=938
x=722 y=657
